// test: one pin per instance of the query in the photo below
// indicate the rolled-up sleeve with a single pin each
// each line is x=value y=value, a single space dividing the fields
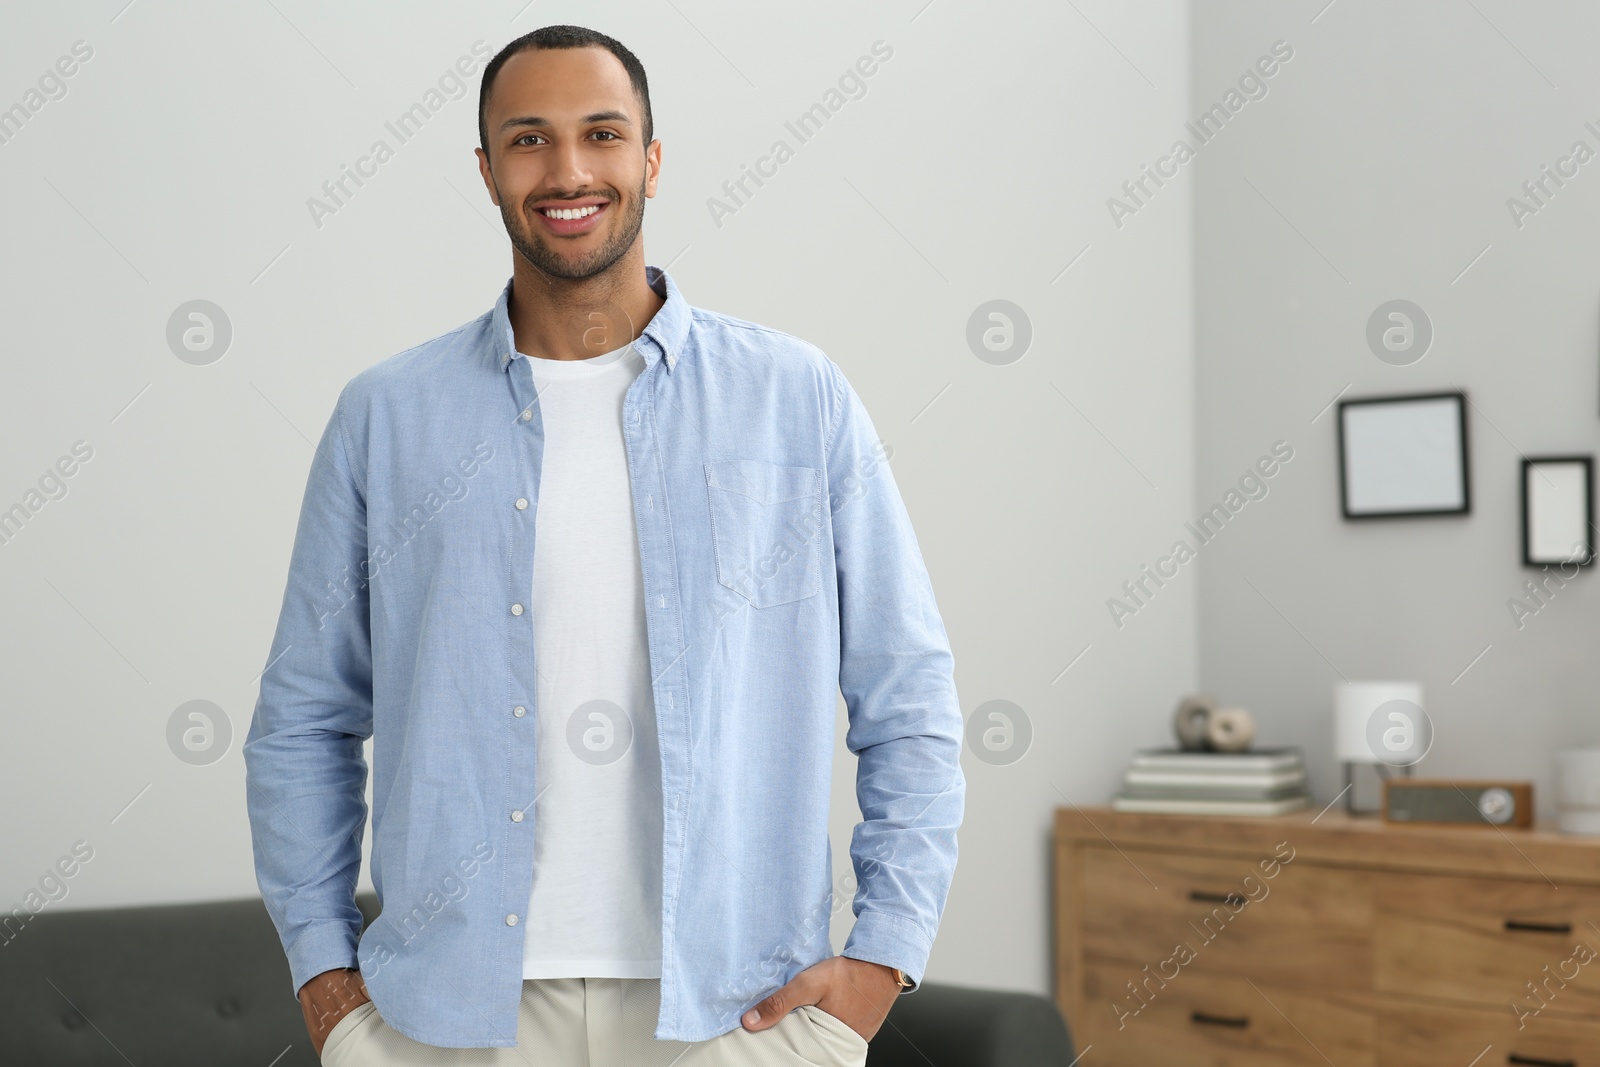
x=305 y=768
x=896 y=675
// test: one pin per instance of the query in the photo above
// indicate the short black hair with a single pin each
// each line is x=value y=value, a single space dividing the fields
x=553 y=37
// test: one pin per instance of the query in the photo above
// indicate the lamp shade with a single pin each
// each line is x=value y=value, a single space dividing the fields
x=1353 y=705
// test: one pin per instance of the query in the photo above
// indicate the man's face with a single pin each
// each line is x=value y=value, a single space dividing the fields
x=565 y=132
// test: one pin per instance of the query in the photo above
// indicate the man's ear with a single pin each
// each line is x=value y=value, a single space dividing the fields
x=488 y=176
x=652 y=163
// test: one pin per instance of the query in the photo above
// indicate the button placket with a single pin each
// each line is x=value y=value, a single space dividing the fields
x=520 y=711
x=521 y=529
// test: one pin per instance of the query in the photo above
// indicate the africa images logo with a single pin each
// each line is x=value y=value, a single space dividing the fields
x=1252 y=485
x=1252 y=85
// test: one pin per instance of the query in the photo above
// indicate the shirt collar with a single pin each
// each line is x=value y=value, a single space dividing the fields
x=663 y=337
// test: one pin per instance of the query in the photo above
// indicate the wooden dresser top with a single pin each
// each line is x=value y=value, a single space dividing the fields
x=1331 y=836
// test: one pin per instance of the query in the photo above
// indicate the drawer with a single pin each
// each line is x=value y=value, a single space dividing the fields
x=1428 y=1036
x=1304 y=926
x=1207 y=1020
x=1485 y=940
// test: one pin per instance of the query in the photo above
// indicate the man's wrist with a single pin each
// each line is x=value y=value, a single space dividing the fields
x=329 y=996
x=896 y=975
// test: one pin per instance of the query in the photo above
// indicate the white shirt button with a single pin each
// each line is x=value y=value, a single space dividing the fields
x=522 y=503
x=519 y=711
x=516 y=609
x=511 y=920
x=661 y=601
x=516 y=816
x=526 y=415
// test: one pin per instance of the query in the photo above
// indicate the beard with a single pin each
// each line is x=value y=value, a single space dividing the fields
x=542 y=251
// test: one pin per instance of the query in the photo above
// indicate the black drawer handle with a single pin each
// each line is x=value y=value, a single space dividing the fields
x=1535 y=1061
x=1237 y=1021
x=1540 y=928
x=1214 y=898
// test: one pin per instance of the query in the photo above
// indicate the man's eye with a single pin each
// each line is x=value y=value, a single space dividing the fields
x=524 y=137
x=608 y=133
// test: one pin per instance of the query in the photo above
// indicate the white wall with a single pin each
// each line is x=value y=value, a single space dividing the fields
x=976 y=167
x=1379 y=167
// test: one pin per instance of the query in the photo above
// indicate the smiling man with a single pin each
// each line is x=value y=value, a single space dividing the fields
x=591 y=573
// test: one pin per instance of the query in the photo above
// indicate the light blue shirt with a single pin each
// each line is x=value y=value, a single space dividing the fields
x=780 y=569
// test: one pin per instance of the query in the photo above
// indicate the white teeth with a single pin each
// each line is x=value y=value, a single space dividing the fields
x=571 y=213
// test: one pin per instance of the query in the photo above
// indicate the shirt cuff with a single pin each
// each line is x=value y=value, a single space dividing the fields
x=882 y=937
x=326 y=946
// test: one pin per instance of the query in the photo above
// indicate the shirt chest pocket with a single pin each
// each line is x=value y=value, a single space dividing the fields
x=765 y=523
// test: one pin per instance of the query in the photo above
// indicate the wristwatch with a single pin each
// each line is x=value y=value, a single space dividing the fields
x=903 y=978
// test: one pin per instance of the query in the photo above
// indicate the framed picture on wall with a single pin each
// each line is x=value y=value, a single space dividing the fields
x=1557 y=510
x=1404 y=456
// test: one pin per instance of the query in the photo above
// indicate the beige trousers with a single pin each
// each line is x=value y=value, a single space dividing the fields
x=602 y=1022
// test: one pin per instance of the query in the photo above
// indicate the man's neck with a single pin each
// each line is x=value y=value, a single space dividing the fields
x=561 y=318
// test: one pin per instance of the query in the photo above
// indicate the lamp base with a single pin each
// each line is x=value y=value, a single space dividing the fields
x=1383 y=771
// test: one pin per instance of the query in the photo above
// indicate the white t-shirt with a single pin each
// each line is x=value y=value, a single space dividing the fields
x=595 y=908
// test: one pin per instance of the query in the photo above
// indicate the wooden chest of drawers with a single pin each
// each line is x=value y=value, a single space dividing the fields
x=1317 y=938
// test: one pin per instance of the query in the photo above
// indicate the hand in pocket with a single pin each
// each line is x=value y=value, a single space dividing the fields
x=329 y=997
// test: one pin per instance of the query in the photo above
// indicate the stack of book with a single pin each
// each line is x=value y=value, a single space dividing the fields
x=1266 y=782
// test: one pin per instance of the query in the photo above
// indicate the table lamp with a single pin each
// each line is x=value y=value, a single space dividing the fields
x=1364 y=736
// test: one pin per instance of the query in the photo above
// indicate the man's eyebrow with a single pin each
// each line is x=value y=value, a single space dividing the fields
x=538 y=120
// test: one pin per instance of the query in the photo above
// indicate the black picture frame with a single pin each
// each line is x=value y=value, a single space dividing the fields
x=1460 y=399
x=1528 y=465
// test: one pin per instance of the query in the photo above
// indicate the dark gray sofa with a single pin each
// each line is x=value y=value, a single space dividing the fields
x=207 y=984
